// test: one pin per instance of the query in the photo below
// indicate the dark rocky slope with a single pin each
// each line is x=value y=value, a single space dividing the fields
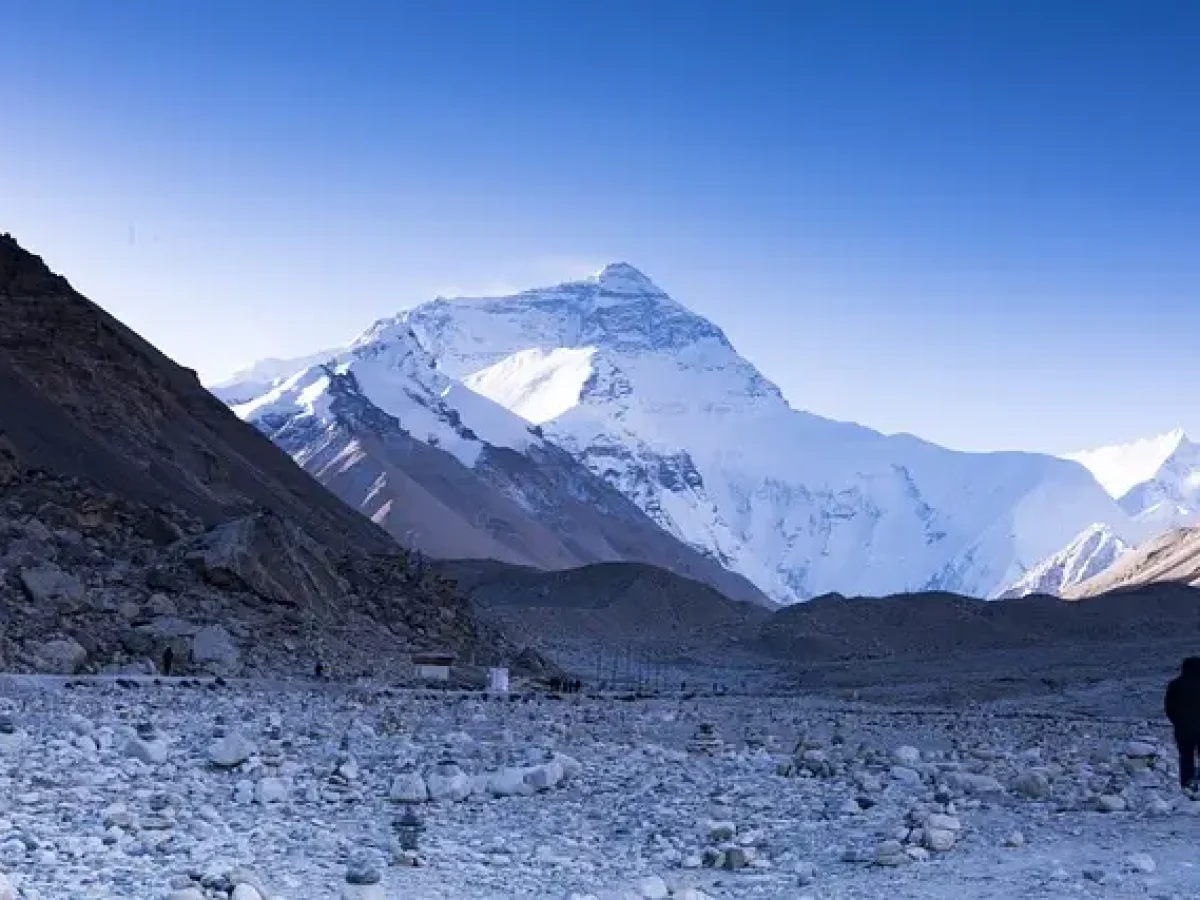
x=137 y=512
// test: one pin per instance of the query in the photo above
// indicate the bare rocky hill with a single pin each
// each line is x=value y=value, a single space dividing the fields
x=138 y=513
x=942 y=627
x=1170 y=558
x=606 y=602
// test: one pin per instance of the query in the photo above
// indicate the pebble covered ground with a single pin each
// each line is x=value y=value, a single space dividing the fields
x=189 y=790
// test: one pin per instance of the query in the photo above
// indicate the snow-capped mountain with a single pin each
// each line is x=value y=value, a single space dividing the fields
x=1095 y=549
x=453 y=473
x=259 y=378
x=1155 y=480
x=655 y=400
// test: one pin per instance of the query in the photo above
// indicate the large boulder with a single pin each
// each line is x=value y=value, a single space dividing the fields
x=271 y=557
x=408 y=787
x=60 y=656
x=510 y=782
x=48 y=584
x=231 y=750
x=448 y=782
x=214 y=647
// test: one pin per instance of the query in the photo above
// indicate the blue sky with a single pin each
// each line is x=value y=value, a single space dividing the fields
x=974 y=221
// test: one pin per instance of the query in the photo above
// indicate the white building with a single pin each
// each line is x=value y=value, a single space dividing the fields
x=498 y=680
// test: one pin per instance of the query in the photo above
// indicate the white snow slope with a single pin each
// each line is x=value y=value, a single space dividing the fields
x=394 y=371
x=1095 y=550
x=1155 y=480
x=655 y=399
x=264 y=375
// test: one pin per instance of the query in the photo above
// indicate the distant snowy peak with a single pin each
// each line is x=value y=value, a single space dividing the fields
x=264 y=375
x=1121 y=467
x=614 y=339
x=1156 y=480
x=388 y=369
x=620 y=279
x=1093 y=551
x=654 y=399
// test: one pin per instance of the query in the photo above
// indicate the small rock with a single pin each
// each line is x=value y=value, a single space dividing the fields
x=1032 y=786
x=737 y=858
x=448 y=782
x=408 y=787
x=891 y=853
x=720 y=832
x=152 y=751
x=806 y=873
x=229 y=751
x=940 y=840
x=1142 y=862
x=362 y=872
x=271 y=790
x=653 y=888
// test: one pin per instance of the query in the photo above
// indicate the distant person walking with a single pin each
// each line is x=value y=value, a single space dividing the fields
x=168 y=659
x=1182 y=705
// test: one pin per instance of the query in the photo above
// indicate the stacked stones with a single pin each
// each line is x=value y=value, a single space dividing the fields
x=706 y=740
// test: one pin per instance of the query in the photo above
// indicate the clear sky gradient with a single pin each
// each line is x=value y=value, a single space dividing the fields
x=975 y=221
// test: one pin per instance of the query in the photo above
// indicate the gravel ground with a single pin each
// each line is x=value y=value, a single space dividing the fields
x=110 y=791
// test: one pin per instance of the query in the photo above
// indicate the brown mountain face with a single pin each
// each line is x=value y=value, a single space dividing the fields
x=1170 y=558
x=137 y=513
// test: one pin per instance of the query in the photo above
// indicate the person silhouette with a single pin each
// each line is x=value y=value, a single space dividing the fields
x=1182 y=706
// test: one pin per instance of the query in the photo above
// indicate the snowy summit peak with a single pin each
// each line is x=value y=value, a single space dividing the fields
x=1121 y=467
x=624 y=279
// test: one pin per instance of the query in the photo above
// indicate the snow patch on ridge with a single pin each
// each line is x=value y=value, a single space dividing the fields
x=536 y=384
x=1121 y=467
x=1093 y=551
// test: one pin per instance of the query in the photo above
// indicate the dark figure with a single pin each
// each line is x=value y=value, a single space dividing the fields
x=168 y=659
x=1182 y=705
x=320 y=670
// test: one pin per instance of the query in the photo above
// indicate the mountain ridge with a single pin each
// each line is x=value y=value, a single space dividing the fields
x=666 y=386
x=448 y=471
x=656 y=401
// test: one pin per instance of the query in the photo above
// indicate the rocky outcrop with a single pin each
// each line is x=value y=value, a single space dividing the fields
x=256 y=595
x=269 y=557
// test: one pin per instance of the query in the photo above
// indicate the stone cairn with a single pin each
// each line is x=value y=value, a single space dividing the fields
x=706 y=740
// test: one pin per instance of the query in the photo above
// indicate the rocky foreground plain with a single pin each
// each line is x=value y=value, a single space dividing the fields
x=197 y=788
